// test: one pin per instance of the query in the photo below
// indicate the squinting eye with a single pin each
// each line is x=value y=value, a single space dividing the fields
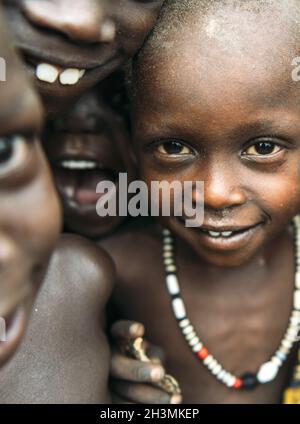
x=263 y=148
x=14 y=151
x=173 y=148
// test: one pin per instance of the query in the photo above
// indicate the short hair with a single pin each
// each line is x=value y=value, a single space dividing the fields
x=177 y=15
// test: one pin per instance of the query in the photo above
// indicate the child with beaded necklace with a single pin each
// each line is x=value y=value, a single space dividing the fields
x=214 y=100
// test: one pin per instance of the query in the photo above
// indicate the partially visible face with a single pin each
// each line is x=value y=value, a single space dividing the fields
x=220 y=106
x=69 y=48
x=29 y=214
x=88 y=145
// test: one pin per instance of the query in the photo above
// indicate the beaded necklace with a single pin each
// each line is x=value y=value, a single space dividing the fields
x=267 y=371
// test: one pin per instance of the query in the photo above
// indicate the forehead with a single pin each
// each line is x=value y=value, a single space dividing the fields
x=220 y=62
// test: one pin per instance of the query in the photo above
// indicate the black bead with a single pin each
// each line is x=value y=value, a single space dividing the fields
x=249 y=381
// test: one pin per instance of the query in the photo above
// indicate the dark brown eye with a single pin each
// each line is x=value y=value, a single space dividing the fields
x=14 y=151
x=173 y=148
x=263 y=148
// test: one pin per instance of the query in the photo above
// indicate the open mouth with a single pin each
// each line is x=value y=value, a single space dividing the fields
x=51 y=74
x=63 y=75
x=77 y=180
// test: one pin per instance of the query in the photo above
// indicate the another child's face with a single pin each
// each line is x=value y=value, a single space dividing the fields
x=228 y=115
x=69 y=36
x=86 y=146
x=29 y=213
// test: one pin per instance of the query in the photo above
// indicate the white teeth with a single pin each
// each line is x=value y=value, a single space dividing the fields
x=71 y=76
x=214 y=234
x=47 y=73
x=50 y=73
x=227 y=233
x=217 y=234
x=80 y=164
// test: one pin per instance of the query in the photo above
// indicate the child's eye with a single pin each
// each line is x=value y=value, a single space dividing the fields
x=173 y=148
x=263 y=148
x=14 y=151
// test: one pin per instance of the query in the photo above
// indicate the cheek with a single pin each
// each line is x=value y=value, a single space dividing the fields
x=36 y=217
x=280 y=193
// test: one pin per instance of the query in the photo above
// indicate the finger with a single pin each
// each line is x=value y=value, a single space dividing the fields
x=155 y=353
x=125 y=368
x=127 y=330
x=143 y=393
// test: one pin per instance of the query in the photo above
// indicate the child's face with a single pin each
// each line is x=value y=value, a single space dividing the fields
x=90 y=36
x=88 y=145
x=225 y=112
x=29 y=213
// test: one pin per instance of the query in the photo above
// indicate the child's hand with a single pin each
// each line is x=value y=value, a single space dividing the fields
x=131 y=379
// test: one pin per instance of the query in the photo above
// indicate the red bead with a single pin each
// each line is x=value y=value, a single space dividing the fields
x=203 y=353
x=237 y=384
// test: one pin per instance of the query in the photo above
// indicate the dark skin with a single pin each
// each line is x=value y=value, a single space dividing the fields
x=65 y=355
x=92 y=135
x=27 y=238
x=96 y=35
x=239 y=133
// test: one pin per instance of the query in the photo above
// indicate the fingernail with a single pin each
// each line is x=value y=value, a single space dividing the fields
x=157 y=374
x=135 y=329
x=175 y=399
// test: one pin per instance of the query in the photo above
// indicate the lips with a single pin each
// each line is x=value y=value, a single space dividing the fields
x=77 y=179
x=227 y=237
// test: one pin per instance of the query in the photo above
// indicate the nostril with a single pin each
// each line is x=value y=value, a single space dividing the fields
x=87 y=22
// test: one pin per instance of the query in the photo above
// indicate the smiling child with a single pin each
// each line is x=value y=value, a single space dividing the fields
x=214 y=101
x=70 y=47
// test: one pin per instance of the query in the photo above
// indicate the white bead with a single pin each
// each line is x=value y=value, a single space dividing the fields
x=297 y=299
x=230 y=381
x=216 y=369
x=194 y=341
x=168 y=248
x=178 y=308
x=169 y=261
x=276 y=361
x=172 y=284
x=295 y=321
x=267 y=372
x=171 y=268
x=286 y=343
x=212 y=364
x=208 y=360
x=191 y=336
x=221 y=374
x=188 y=329
x=168 y=240
x=184 y=323
x=197 y=347
x=166 y=232
x=297 y=280
x=168 y=255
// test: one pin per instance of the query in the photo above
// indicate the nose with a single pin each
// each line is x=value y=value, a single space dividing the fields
x=82 y=21
x=223 y=188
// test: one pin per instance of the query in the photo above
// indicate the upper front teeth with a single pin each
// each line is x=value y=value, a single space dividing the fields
x=217 y=234
x=50 y=73
x=78 y=164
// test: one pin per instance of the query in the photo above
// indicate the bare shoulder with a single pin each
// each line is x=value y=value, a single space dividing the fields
x=133 y=246
x=132 y=241
x=82 y=265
